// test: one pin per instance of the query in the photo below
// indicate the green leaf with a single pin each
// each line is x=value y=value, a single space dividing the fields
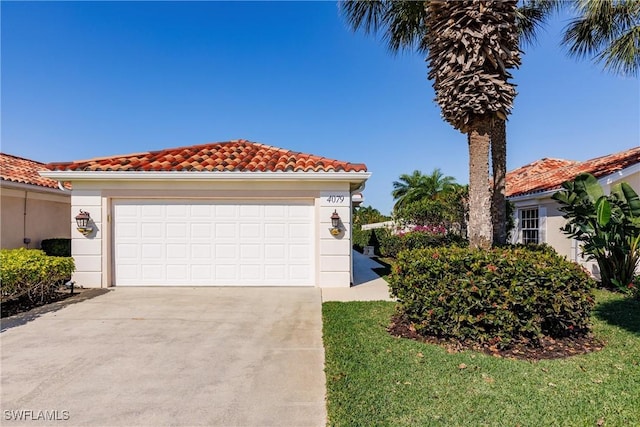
x=603 y=211
x=588 y=184
x=631 y=198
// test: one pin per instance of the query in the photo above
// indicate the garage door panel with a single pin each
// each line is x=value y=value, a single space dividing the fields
x=126 y=229
x=250 y=252
x=299 y=231
x=274 y=231
x=176 y=230
x=128 y=252
x=178 y=251
x=177 y=211
x=200 y=251
x=201 y=272
x=251 y=272
x=213 y=243
x=153 y=211
x=152 y=230
x=225 y=211
x=152 y=272
x=176 y=271
x=225 y=230
x=200 y=230
x=250 y=230
x=249 y=211
x=299 y=272
x=151 y=251
x=299 y=252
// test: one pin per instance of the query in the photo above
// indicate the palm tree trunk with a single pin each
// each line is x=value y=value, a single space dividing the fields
x=480 y=229
x=499 y=166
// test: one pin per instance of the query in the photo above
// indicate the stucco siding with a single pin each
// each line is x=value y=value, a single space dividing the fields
x=94 y=253
x=33 y=215
x=553 y=236
x=87 y=250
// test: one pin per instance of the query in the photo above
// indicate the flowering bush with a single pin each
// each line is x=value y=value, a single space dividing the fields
x=430 y=229
x=492 y=297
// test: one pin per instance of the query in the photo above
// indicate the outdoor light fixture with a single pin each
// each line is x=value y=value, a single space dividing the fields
x=335 y=223
x=82 y=221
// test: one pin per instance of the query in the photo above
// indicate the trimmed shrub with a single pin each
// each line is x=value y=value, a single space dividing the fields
x=57 y=247
x=31 y=273
x=360 y=238
x=493 y=297
x=392 y=244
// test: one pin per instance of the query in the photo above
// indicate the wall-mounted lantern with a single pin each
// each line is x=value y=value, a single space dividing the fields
x=335 y=223
x=83 y=219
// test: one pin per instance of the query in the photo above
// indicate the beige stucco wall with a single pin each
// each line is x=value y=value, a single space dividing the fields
x=550 y=227
x=553 y=236
x=34 y=214
x=93 y=253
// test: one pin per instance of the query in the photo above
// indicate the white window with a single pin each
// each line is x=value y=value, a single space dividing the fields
x=530 y=225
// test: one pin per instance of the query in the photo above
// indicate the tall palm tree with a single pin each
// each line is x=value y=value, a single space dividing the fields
x=472 y=46
x=415 y=187
x=405 y=25
x=608 y=31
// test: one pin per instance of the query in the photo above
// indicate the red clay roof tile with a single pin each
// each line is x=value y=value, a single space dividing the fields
x=23 y=171
x=239 y=155
x=549 y=174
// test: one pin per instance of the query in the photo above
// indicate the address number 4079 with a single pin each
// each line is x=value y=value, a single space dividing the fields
x=335 y=199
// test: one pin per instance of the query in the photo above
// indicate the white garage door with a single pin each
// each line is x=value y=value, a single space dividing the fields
x=177 y=242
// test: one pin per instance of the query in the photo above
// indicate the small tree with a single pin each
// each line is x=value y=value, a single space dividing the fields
x=609 y=226
x=448 y=211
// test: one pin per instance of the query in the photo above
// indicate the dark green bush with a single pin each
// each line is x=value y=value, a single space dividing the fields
x=492 y=297
x=360 y=238
x=56 y=247
x=31 y=273
x=391 y=244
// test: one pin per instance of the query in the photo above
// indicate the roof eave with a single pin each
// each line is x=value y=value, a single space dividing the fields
x=32 y=187
x=355 y=177
x=533 y=195
x=603 y=180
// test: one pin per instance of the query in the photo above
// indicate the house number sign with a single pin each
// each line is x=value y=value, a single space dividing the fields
x=335 y=199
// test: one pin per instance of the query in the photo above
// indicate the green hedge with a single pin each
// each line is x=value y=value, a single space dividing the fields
x=492 y=297
x=31 y=273
x=56 y=247
x=392 y=244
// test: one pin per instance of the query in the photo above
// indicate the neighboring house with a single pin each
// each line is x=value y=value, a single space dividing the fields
x=32 y=208
x=530 y=188
x=230 y=213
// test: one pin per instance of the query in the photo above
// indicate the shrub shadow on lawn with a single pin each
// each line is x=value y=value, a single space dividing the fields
x=27 y=316
x=624 y=313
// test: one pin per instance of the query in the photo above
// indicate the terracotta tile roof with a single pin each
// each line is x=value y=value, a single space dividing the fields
x=549 y=174
x=23 y=171
x=239 y=155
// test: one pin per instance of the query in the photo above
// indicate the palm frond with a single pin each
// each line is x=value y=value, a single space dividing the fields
x=607 y=31
x=366 y=15
x=531 y=17
x=401 y=24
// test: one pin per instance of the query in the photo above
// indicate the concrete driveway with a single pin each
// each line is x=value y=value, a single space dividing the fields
x=169 y=356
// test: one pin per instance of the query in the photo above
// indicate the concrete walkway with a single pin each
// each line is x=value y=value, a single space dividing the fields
x=169 y=356
x=367 y=286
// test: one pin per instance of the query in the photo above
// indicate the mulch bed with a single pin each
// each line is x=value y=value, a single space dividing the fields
x=548 y=348
x=23 y=304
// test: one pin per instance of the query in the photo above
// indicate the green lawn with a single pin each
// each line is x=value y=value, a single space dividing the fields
x=376 y=379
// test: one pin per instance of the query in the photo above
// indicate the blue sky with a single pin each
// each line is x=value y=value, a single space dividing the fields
x=90 y=79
